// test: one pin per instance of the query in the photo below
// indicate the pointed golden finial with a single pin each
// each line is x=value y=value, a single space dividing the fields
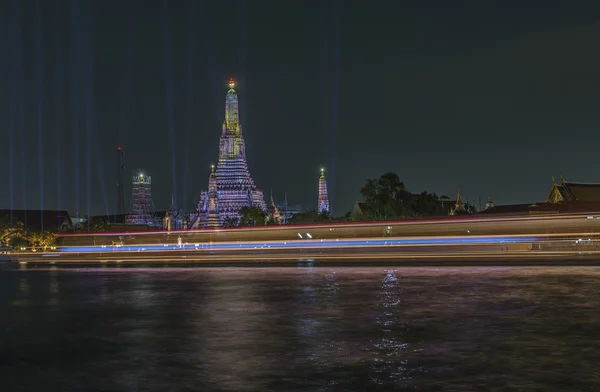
x=212 y=169
x=562 y=180
x=553 y=180
x=322 y=172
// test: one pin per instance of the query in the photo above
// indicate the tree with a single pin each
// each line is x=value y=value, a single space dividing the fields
x=428 y=204
x=386 y=197
x=97 y=224
x=310 y=216
x=230 y=221
x=10 y=231
x=252 y=216
x=41 y=240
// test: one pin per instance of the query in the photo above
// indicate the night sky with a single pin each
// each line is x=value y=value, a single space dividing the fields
x=496 y=96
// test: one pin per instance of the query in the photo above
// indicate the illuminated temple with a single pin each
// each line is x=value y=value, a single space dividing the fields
x=323 y=201
x=230 y=185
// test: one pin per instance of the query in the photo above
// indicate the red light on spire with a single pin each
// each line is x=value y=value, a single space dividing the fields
x=231 y=83
x=119 y=148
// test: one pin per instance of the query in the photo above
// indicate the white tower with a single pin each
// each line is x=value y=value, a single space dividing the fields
x=323 y=203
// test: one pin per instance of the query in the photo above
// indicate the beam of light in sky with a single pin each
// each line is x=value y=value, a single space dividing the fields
x=23 y=148
x=128 y=74
x=94 y=145
x=59 y=111
x=325 y=79
x=168 y=56
x=89 y=104
x=243 y=53
x=100 y=168
x=190 y=89
x=75 y=75
x=330 y=21
x=209 y=60
x=335 y=98
x=10 y=78
x=39 y=88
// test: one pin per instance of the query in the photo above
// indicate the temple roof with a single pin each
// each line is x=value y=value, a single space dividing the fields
x=537 y=208
x=173 y=209
x=574 y=191
x=509 y=209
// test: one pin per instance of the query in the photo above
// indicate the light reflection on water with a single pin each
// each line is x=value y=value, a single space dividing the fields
x=262 y=329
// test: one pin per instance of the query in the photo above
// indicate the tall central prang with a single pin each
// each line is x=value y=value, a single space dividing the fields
x=235 y=187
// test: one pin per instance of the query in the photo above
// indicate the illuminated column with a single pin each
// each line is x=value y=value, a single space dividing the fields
x=323 y=203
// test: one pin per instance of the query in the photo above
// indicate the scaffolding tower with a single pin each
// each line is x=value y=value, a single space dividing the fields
x=142 y=207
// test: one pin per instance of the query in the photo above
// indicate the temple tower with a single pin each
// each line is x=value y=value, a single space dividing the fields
x=212 y=213
x=323 y=202
x=489 y=204
x=173 y=219
x=274 y=213
x=231 y=178
x=142 y=206
x=459 y=206
x=235 y=187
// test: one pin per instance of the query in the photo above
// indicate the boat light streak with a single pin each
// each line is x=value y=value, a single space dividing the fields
x=301 y=244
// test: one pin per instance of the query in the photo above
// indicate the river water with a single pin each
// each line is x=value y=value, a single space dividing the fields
x=300 y=329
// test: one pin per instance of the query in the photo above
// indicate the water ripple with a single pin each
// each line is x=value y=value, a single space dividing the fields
x=271 y=329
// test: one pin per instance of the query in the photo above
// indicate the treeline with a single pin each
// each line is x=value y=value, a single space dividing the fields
x=387 y=197
x=15 y=235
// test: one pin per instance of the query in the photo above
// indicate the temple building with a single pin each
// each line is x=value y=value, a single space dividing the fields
x=232 y=186
x=323 y=201
x=173 y=219
x=568 y=192
x=273 y=213
x=564 y=197
x=460 y=207
x=489 y=204
x=212 y=205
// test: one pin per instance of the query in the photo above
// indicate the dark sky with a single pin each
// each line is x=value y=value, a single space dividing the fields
x=498 y=96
